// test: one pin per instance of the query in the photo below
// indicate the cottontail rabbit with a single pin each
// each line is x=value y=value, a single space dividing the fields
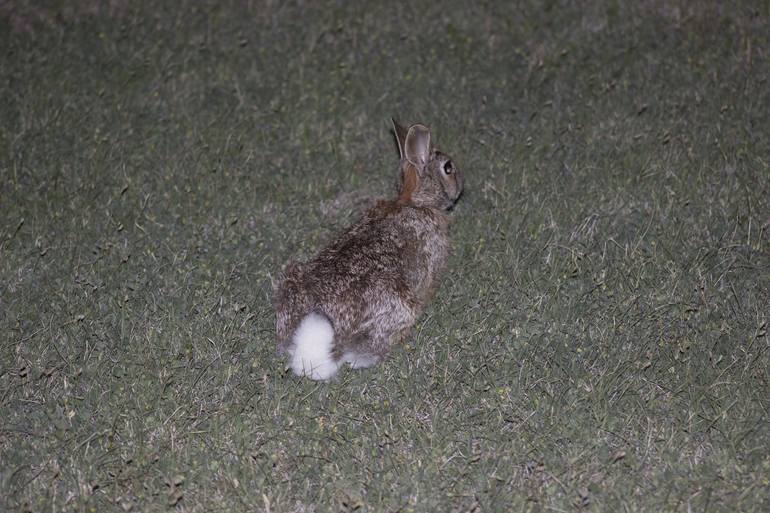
x=364 y=291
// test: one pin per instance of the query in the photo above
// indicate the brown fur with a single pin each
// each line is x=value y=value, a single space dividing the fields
x=374 y=279
x=411 y=183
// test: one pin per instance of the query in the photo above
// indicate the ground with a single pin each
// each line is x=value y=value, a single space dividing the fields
x=599 y=342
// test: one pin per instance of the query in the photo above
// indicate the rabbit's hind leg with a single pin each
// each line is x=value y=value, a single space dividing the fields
x=360 y=360
x=358 y=351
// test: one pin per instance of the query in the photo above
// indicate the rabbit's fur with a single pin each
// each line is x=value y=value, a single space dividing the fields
x=364 y=291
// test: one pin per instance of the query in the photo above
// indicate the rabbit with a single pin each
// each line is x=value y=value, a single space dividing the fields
x=363 y=292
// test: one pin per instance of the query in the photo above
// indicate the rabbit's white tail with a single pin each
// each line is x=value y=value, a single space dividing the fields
x=311 y=352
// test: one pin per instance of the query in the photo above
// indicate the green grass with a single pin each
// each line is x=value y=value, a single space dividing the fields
x=600 y=342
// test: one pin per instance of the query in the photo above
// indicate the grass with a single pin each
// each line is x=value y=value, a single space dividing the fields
x=599 y=344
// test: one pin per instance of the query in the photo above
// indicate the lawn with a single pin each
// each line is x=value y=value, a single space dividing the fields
x=599 y=342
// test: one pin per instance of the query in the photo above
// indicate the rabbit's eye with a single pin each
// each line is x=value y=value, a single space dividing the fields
x=447 y=168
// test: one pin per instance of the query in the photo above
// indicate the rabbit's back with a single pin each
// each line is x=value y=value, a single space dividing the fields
x=378 y=271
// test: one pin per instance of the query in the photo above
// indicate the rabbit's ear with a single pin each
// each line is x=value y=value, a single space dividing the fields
x=417 y=145
x=400 y=137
